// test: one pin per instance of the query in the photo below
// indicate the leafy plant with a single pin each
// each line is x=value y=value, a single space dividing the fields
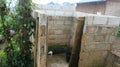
x=15 y=27
x=118 y=32
x=3 y=58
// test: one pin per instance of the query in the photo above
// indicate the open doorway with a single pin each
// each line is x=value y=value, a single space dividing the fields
x=61 y=52
x=54 y=48
x=59 y=36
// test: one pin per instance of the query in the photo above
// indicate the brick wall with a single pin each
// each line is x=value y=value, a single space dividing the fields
x=59 y=29
x=112 y=8
x=99 y=33
x=92 y=8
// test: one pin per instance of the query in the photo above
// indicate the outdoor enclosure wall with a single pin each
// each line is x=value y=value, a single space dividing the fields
x=99 y=33
x=98 y=36
x=59 y=29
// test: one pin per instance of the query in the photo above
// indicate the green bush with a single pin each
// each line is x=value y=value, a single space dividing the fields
x=118 y=32
x=2 y=59
x=57 y=48
x=18 y=50
x=2 y=55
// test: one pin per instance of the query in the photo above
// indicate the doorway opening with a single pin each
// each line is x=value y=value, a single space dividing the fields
x=60 y=46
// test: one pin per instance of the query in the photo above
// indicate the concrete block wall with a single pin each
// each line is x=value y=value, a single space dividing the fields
x=99 y=34
x=59 y=29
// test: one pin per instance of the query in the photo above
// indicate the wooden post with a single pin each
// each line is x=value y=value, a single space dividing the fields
x=77 y=43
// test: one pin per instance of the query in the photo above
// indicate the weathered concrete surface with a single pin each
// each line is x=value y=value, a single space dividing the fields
x=77 y=43
x=97 y=40
x=98 y=36
x=40 y=54
x=59 y=29
x=113 y=59
x=57 y=61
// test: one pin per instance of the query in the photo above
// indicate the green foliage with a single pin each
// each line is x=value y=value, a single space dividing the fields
x=18 y=52
x=2 y=55
x=118 y=32
x=3 y=58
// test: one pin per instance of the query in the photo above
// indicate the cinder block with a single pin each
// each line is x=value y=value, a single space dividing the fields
x=70 y=18
x=51 y=41
x=67 y=27
x=51 y=37
x=57 y=22
x=67 y=32
x=103 y=46
x=57 y=26
x=116 y=47
x=61 y=37
x=49 y=18
x=91 y=29
x=112 y=38
x=67 y=22
x=49 y=27
x=99 y=30
x=107 y=37
x=98 y=20
x=58 y=31
x=114 y=21
x=60 y=41
x=90 y=47
x=51 y=22
x=99 y=38
x=106 y=30
x=51 y=32
x=87 y=38
x=89 y=20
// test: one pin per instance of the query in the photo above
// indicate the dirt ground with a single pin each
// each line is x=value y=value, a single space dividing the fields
x=57 y=60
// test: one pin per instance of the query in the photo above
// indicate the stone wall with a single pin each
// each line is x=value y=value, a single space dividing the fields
x=99 y=33
x=59 y=29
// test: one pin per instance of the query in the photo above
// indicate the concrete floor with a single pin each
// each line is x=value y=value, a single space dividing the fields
x=57 y=60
